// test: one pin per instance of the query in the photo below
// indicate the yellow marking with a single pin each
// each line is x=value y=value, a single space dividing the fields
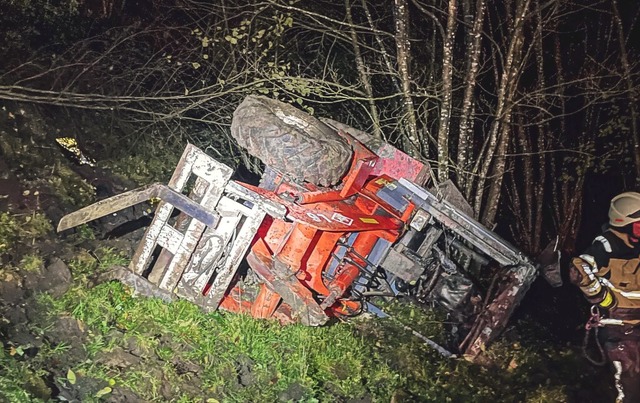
x=71 y=145
x=369 y=220
x=67 y=142
x=607 y=301
x=382 y=181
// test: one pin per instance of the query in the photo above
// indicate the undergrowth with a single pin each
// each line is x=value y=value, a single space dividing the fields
x=186 y=355
x=147 y=166
x=372 y=359
x=17 y=229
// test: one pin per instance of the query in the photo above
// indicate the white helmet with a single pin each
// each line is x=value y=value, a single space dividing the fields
x=624 y=209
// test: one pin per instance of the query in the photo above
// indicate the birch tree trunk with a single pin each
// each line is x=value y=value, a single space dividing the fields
x=465 y=137
x=447 y=89
x=493 y=163
x=362 y=73
x=537 y=199
x=382 y=49
x=403 y=49
x=429 y=83
x=631 y=91
x=522 y=171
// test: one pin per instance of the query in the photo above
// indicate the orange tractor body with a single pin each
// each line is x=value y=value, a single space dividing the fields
x=316 y=244
x=305 y=248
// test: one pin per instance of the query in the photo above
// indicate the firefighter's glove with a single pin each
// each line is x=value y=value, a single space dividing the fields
x=574 y=275
x=583 y=272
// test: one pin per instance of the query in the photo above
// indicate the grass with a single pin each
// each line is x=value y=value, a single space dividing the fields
x=146 y=167
x=238 y=358
x=31 y=263
x=15 y=376
x=326 y=362
x=329 y=363
x=22 y=229
x=22 y=377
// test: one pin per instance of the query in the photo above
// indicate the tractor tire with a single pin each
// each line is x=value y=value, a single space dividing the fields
x=290 y=141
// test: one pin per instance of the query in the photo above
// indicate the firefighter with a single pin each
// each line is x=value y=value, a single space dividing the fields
x=608 y=273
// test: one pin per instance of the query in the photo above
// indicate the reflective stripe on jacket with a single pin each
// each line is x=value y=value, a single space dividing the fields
x=610 y=264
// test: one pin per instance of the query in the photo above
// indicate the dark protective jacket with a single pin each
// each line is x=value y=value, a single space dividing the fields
x=608 y=273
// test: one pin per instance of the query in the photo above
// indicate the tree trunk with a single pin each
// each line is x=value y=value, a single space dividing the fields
x=631 y=91
x=403 y=49
x=465 y=137
x=447 y=89
x=539 y=189
x=362 y=73
x=382 y=48
x=494 y=160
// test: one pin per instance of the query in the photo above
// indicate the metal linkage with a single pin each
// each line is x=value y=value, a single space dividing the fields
x=196 y=256
x=466 y=227
x=179 y=241
x=221 y=249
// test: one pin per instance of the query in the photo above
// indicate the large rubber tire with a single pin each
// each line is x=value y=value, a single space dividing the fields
x=290 y=140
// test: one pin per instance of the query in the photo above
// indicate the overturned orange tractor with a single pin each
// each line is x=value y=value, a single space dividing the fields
x=338 y=219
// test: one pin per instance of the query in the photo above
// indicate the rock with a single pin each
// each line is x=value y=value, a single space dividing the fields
x=16 y=315
x=190 y=387
x=123 y=395
x=71 y=332
x=184 y=367
x=35 y=312
x=165 y=389
x=31 y=281
x=19 y=335
x=38 y=387
x=11 y=291
x=84 y=389
x=244 y=368
x=134 y=347
x=117 y=358
x=56 y=278
x=294 y=393
x=114 y=335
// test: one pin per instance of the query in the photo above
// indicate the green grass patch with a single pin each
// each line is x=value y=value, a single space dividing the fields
x=238 y=358
x=375 y=359
x=24 y=229
x=327 y=362
x=17 y=379
x=22 y=377
x=31 y=263
x=153 y=166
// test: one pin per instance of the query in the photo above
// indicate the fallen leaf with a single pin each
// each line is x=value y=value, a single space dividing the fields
x=104 y=391
x=71 y=377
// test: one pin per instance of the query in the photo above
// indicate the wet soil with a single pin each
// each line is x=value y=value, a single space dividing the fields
x=39 y=177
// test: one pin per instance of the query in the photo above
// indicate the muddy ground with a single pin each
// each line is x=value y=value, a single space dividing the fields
x=40 y=182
